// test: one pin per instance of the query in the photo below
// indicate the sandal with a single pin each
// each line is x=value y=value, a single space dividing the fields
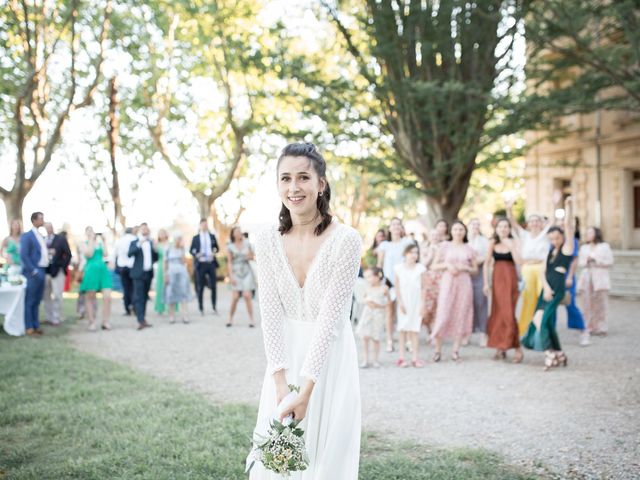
x=561 y=359
x=417 y=363
x=455 y=356
x=389 y=346
x=500 y=355
x=401 y=363
x=106 y=326
x=550 y=361
x=436 y=357
x=519 y=356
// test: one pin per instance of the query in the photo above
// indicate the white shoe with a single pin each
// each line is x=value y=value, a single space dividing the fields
x=364 y=365
x=584 y=339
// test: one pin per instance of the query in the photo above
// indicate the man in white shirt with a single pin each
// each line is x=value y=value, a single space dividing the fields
x=124 y=264
x=144 y=255
x=34 y=257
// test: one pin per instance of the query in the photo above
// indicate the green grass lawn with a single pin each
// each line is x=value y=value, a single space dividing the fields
x=65 y=414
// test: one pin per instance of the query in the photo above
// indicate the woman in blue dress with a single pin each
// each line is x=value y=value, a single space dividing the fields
x=541 y=334
x=177 y=289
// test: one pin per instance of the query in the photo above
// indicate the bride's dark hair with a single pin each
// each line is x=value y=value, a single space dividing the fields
x=309 y=151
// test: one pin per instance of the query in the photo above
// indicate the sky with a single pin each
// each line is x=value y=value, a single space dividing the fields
x=65 y=197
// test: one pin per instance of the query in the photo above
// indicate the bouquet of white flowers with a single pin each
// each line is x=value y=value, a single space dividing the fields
x=282 y=450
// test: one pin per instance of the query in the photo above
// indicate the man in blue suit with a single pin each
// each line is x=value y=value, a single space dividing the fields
x=144 y=256
x=35 y=259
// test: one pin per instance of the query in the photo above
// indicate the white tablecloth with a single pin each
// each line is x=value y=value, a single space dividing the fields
x=12 y=307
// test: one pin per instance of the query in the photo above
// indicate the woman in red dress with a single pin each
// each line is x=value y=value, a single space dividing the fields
x=502 y=326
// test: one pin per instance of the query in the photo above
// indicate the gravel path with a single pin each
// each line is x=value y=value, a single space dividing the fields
x=578 y=422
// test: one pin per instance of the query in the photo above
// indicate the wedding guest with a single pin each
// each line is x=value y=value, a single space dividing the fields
x=239 y=254
x=34 y=258
x=177 y=288
x=144 y=256
x=480 y=246
x=408 y=284
x=96 y=278
x=595 y=259
x=541 y=334
x=56 y=272
x=534 y=248
x=431 y=280
x=371 y=325
x=390 y=255
x=371 y=255
x=454 y=315
x=11 y=245
x=502 y=256
x=575 y=320
x=442 y=227
x=204 y=247
x=124 y=264
x=162 y=245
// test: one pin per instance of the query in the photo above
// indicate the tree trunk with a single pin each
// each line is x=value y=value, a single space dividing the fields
x=446 y=208
x=114 y=135
x=13 y=205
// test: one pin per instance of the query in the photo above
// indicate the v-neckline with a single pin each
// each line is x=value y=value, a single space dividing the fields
x=313 y=262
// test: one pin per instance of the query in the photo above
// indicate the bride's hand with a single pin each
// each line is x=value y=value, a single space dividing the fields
x=298 y=408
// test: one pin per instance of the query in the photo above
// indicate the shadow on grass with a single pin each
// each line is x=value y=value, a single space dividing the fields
x=65 y=414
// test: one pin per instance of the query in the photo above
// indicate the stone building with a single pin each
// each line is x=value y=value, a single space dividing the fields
x=599 y=165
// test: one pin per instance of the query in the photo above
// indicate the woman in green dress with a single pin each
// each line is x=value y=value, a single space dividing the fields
x=96 y=278
x=11 y=245
x=163 y=243
x=542 y=334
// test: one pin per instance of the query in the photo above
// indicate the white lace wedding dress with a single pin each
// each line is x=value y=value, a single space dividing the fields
x=307 y=332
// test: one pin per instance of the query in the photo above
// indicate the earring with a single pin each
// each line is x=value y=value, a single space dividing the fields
x=320 y=194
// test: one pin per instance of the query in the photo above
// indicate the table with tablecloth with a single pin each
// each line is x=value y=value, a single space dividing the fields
x=12 y=307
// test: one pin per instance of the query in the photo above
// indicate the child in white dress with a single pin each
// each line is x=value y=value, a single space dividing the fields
x=408 y=286
x=371 y=324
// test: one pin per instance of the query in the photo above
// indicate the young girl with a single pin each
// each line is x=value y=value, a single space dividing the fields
x=408 y=284
x=371 y=325
x=390 y=255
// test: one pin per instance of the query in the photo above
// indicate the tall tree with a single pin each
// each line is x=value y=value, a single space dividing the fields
x=202 y=91
x=446 y=86
x=586 y=52
x=52 y=55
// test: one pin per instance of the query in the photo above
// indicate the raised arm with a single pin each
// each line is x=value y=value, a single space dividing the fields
x=515 y=226
x=569 y=232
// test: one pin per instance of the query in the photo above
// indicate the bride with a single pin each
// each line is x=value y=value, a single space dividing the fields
x=307 y=267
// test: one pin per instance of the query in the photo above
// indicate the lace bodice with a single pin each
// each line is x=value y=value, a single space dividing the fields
x=325 y=297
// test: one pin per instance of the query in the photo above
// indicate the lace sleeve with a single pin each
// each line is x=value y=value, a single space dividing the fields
x=335 y=303
x=271 y=309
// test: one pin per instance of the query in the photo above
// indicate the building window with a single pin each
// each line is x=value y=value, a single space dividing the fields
x=636 y=199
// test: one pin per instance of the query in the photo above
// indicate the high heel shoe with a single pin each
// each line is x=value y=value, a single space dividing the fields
x=561 y=359
x=550 y=361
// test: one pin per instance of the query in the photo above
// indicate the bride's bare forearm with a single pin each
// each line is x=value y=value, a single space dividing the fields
x=279 y=378
x=307 y=388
